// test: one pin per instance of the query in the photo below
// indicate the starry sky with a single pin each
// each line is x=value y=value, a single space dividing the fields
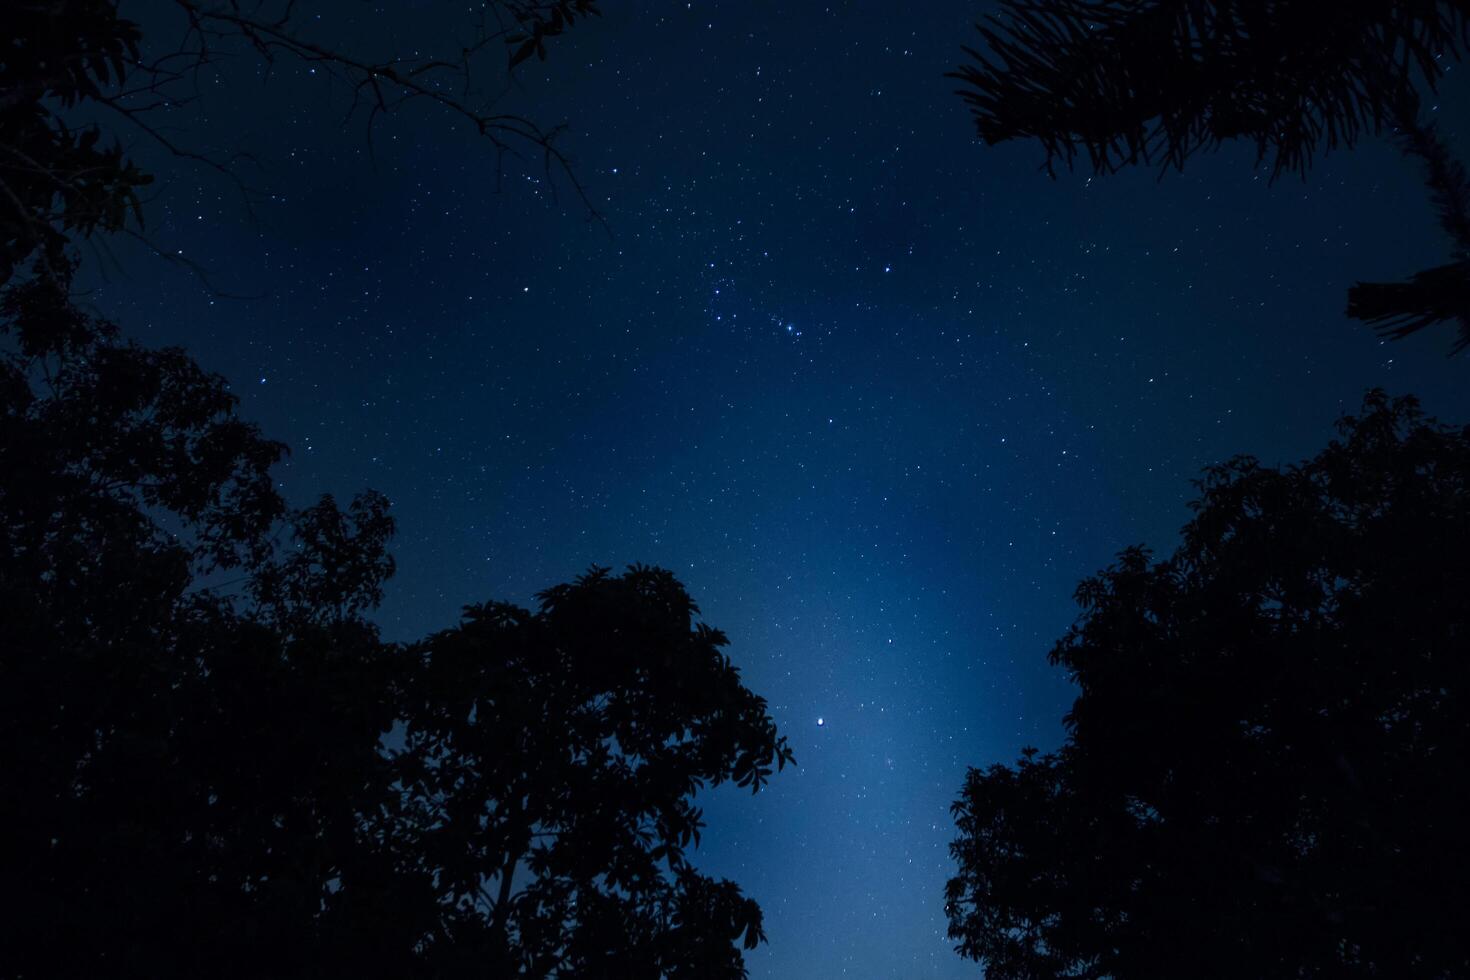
x=879 y=395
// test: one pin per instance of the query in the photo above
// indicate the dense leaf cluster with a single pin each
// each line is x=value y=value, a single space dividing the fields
x=1442 y=292
x=1153 y=81
x=215 y=766
x=1263 y=774
x=56 y=180
x=537 y=20
x=571 y=742
x=1124 y=82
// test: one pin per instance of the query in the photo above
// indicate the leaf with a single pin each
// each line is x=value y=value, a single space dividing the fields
x=523 y=52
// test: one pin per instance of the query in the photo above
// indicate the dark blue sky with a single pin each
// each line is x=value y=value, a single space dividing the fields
x=880 y=396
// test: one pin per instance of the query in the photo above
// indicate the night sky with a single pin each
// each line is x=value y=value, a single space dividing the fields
x=880 y=396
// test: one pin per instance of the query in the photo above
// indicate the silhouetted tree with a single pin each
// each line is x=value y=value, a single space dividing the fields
x=215 y=765
x=194 y=711
x=553 y=757
x=180 y=776
x=1263 y=773
x=1434 y=295
x=1154 y=81
x=58 y=179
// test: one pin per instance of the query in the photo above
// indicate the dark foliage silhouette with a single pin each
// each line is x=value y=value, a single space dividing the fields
x=179 y=775
x=195 y=716
x=1153 y=82
x=216 y=767
x=1432 y=296
x=1263 y=771
x=553 y=756
x=57 y=180
x=60 y=181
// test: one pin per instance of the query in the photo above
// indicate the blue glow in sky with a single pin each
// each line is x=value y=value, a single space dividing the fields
x=878 y=395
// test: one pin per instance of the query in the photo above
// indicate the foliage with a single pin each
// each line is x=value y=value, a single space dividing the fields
x=216 y=766
x=334 y=569
x=195 y=716
x=1155 y=81
x=555 y=754
x=103 y=437
x=1123 y=82
x=1263 y=772
x=1399 y=309
x=60 y=58
x=56 y=180
x=178 y=773
x=539 y=21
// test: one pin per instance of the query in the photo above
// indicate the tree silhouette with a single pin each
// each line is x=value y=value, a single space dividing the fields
x=169 y=761
x=57 y=180
x=1155 y=81
x=215 y=766
x=63 y=57
x=590 y=724
x=1399 y=309
x=1263 y=771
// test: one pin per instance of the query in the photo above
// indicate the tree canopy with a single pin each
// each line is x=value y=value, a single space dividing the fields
x=58 y=180
x=554 y=756
x=216 y=766
x=1263 y=770
x=1153 y=82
